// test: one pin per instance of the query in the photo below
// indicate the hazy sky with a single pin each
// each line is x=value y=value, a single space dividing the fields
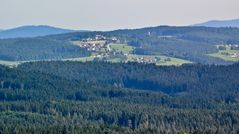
x=113 y=14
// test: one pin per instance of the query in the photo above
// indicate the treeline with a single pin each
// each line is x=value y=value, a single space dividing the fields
x=199 y=34
x=100 y=97
x=203 y=81
x=25 y=49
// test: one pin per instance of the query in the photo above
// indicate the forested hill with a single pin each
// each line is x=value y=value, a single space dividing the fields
x=190 y=43
x=32 y=31
x=220 y=23
x=203 y=45
x=68 y=97
x=207 y=34
x=30 y=49
x=200 y=80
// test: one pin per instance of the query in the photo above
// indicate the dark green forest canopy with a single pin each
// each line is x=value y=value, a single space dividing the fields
x=30 y=49
x=189 y=79
x=100 y=97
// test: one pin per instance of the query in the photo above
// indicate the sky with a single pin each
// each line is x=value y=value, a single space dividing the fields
x=114 y=14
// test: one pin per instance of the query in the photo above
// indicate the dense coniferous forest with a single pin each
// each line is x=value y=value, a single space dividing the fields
x=171 y=80
x=30 y=49
x=100 y=97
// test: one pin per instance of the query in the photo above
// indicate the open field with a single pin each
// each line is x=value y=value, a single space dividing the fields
x=173 y=61
x=91 y=58
x=10 y=63
x=81 y=59
x=124 y=48
x=124 y=56
x=114 y=60
x=161 y=60
x=226 y=55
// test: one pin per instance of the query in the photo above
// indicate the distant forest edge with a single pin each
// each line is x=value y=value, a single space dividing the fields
x=203 y=45
x=30 y=49
x=100 y=97
x=170 y=79
x=31 y=31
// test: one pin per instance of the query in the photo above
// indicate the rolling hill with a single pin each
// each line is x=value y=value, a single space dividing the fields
x=32 y=31
x=29 y=49
x=191 y=44
x=188 y=43
x=73 y=97
x=220 y=23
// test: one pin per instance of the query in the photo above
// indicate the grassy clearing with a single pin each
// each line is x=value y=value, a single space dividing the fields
x=10 y=63
x=161 y=60
x=81 y=59
x=124 y=48
x=173 y=61
x=226 y=55
x=115 y=60
x=127 y=55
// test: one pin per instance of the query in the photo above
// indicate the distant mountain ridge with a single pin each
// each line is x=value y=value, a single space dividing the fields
x=220 y=23
x=32 y=31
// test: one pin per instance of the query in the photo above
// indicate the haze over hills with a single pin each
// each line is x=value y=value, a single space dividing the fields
x=44 y=30
x=220 y=23
x=32 y=31
x=163 y=45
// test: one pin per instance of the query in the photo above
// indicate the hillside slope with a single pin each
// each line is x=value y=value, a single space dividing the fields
x=220 y=23
x=41 y=98
x=194 y=44
x=24 y=49
x=190 y=43
x=32 y=31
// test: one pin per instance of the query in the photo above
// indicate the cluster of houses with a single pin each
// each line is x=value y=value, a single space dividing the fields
x=97 y=43
x=229 y=46
x=234 y=47
x=165 y=37
x=235 y=55
x=93 y=46
x=99 y=37
x=144 y=59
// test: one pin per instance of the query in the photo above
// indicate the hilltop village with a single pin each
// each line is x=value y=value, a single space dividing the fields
x=111 y=48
